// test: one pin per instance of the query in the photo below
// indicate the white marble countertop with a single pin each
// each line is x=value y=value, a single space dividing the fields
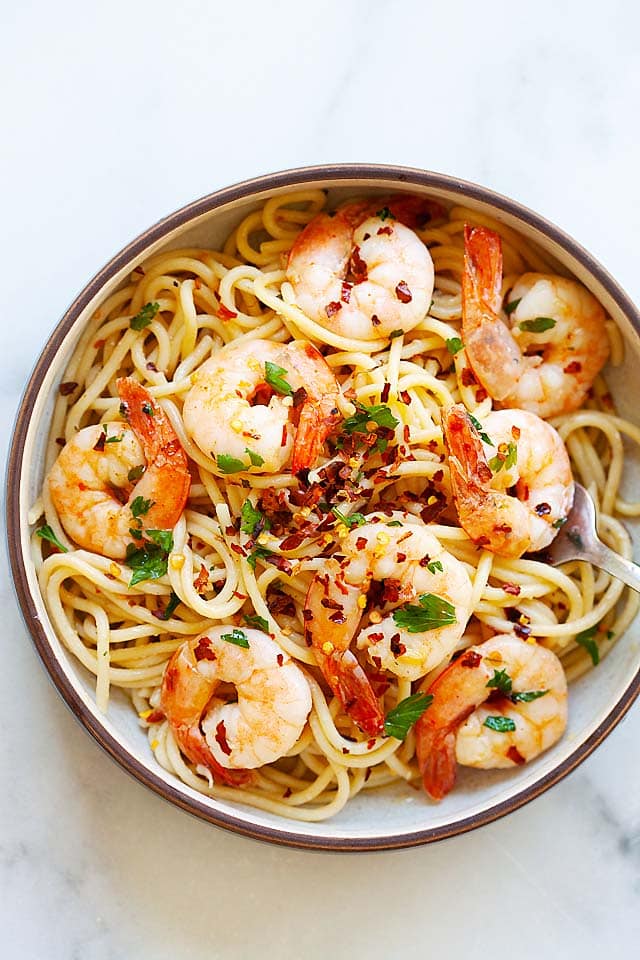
x=114 y=115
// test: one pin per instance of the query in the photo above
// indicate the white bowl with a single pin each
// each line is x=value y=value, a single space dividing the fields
x=393 y=817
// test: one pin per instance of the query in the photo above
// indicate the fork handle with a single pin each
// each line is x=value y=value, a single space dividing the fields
x=617 y=566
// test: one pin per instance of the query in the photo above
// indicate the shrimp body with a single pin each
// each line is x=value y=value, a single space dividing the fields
x=419 y=599
x=556 y=320
x=230 y=739
x=362 y=273
x=454 y=730
x=527 y=454
x=90 y=479
x=232 y=411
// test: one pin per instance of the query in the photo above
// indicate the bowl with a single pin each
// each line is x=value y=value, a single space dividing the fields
x=389 y=818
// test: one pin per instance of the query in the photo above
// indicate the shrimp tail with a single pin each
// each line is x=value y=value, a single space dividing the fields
x=317 y=420
x=436 y=753
x=413 y=211
x=194 y=746
x=351 y=685
x=482 y=276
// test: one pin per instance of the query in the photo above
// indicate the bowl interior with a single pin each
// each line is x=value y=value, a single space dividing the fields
x=394 y=816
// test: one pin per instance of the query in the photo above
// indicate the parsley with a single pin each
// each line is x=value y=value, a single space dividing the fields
x=528 y=696
x=260 y=553
x=539 y=325
x=255 y=458
x=560 y=522
x=253 y=620
x=505 y=460
x=454 y=345
x=252 y=519
x=140 y=506
x=163 y=539
x=174 y=600
x=274 y=375
x=501 y=681
x=236 y=636
x=144 y=318
x=381 y=445
x=501 y=724
x=353 y=520
x=510 y=307
x=483 y=436
x=395 y=333
x=46 y=533
x=148 y=409
x=394 y=523
x=586 y=639
x=379 y=413
x=136 y=532
x=148 y=562
x=228 y=464
x=135 y=473
x=385 y=214
x=398 y=721
x=114 y=439
x=432 y=613
x=434 y=565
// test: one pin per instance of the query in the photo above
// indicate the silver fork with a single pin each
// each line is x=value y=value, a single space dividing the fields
x=578 y=540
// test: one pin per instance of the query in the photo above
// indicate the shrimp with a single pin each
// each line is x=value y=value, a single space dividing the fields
x=418 y=598
x=361 y=272
x=245 y=397
x=230 y=739
x=527 y=712
x=556 y=345
x=526 y=453
x=90 y=482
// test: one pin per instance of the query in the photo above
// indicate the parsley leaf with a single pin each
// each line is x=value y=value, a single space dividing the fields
x=228 y=464
x=255 y=458
x=434 y=565
x=510 y=307
x=385 y=214
x=237 y=636
x=483 y=436
x=114 y=439
x=501 y=724
x=135 y=473
x=432 y=613
x=148 y=562
x=527 y=696
x=260 y=553
x=539 y=325
x=454 y=345
x=253 y=620
x=140 y=506
x=586 y=639
x=163 y=538
x=353 y=520
x=506 y=460
x=145 y=316
x=46 y=533
x=398 y=721
x=378 y=413
x=395 y=333
x=274 y=375
x=174 y=600
x=501 y=681
x=252 y=518
x=394 y=523
x=560 y=522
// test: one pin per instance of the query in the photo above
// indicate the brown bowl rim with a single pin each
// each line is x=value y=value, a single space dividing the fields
x=296 y=837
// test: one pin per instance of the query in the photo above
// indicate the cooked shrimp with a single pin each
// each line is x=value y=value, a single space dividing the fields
x=361 y=272
x=242 y=409
x=90 y=481
x=230 y=739
x=527 y=690
x=419 y=599
x=526 y=454
x=549 y=356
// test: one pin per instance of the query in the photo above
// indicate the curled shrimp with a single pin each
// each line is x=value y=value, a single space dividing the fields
x=361 y=272
x=91 y=482
x=230 y=739
x=418 y=600
x=527 y=712
x=555 y=346
x=527 y=454
x=244 y=401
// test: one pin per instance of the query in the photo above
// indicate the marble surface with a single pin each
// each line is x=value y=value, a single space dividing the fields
x=113 y=116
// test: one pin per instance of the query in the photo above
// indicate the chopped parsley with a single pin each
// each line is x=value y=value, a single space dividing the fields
x=501 y=681
x=395 y=333
x=586 y=639
x=148 y=562
x=394 y=523
x=229 y=464
x=260 y=553
x=174 y=600
x=399 y=721
x=385 y=214
x=253 y=620
x=454 y=345
x=432 y=612
x=379 y=414
x=434 y=565
x=274 y=375
x=255 y=458
x=560 y=522
x=135 y=473
x=483 y=436
x=145 y=316
x=252 y=520
x=46 y=533
x=510 y=307
x=114 y=439
x=140 y=506
x=506 y=459
x=353 y=520
x=539 y=325
x=528 y=695
x=501 y=724
x=163 y=539
x=237 y=636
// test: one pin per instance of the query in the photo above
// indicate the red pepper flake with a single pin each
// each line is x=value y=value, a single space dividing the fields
x=514 y=754
x=438 y=476
x=406 y=433
x=345 y=750
x=197 y=283
x=502 y=528
x=358 y=266
x=345 y=295
x=367 y=774
x=377 y=662
x=524 y=492
x=542 y=509
x=375 y=638
x=100 y=442
x=361 y=543
x=511 y=588
x=280 y=659
x=332 y=308
x=371 y=743
x=155 y=717
x=67 y=387
x=574 y=367
x=397 y=648
x=225 y=314
x=60 y=441
x=287 y=793
x=221 y=738
x=385 y=231
x=203 y=651
x=338 y=617
x=283 y=441
x=481 y=394
x=139 y=270
x=375 y=320
x=515 y=432
x=384 y=396
x=330 y=604
x=237 y=549
x=99 y=344
x=401 y=557
x=468 y=377
x=403 y=293
x=239 y=596
x=151 y=366
x=470 y=659
x=201 y=581
x=307 y=615
x=405 y=397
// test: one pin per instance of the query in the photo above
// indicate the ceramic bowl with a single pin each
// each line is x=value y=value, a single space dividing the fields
x=397 y=817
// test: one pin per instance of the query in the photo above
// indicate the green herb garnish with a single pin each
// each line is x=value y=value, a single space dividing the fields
x=135 y=473
x=252 y=519
x=395 y=333
x=114 y=439
x=501 y=724
x=510 y=307
x=140 y=506
x=163 y=538
x=148 y=409
x=433 y=612
x=353 y=520
x=505 y=460
x=229 y=464
x=379 y=413
x=501 y=681
x=434 y=565
x=454 y=345
x=483 y=436
x=255 y=458
x=274 y=375
x=46 y=533
x=560 y=522
x=260 y=553
x=148 y=562
x=236 y=636
x=385 y=214
x=174 y=600
x=253 y=620
x=399 y=721
x=145 y=316
x=539 y=325
x=528 y=696
x=586 y=639
x=394 y=523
